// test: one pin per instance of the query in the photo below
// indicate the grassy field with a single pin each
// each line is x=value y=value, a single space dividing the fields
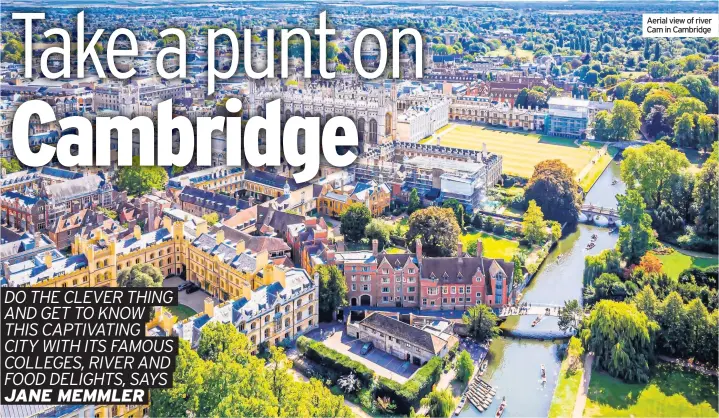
x=565 y=394
x=494 y=247
x=181 y=311
x=673 y=264
x=520 y=151
x=671 y=392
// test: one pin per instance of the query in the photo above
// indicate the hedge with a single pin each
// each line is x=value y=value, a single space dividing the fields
x=408 y=395
x=327 y=357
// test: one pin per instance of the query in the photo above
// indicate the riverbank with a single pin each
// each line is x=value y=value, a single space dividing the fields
x=671 y=391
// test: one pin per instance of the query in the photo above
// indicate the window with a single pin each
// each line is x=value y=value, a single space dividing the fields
x=452 y=300
x=385 y=280
x=453 y=290
x=365 y=287
x=424 y=301
x=461 y=290
x=445 y=290
x=354 y=287
x=479 y=295
x=411 y=289
x=385 y=290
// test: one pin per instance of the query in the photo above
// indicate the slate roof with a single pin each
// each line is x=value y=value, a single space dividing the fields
x=461 y=272
x=407 y=332
x=270 y=179
x=34 y=270
x=216 y=202
x=262 y=302
x=76 y=187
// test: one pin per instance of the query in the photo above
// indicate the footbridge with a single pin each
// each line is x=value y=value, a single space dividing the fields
x=592 y=211
x=533 y=310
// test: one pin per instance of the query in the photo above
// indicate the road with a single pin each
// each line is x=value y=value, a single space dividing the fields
x=581 y=401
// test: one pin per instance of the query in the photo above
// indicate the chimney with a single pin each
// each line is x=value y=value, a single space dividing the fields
x=209 y=307
x=375 y=247
x=480 y=248
x=459 y=249
x=219 y=237
x=150 y=216
x=418 y=250
x=47 y=259
x=137 y=232
x=240 y=247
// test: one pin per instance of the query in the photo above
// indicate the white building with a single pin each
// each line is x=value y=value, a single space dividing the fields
x=422 y=121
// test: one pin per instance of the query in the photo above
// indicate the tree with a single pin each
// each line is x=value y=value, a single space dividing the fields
x=464 y=366
x=570 y=316
x=636 y=236
x=140 y=275
x=414 y=202
x=667 y=220
x=187 y=385
x=622 y=339
x=440 y=403
x=333 y=291
x=554 y=188
x=533 y=224
x=659 y=97
x=11 y=165
x=706 y=198
x=354 y=220
x=226 y=387
x=647 y=302
x=672 y=317
x=625 y=120
x=211 y=218
x=575 y=351
x=481 y=323
x=218 y=337
x=700 y=87
x=649 y=169
x=458 y=210
x=601 y=128
x=685 y=105
x=379 y=230
x=707 y=132
x=657 y=122
x=684 y=130
x=651 y=263
x=437 y=229
x=608 y=261
x=137 y=180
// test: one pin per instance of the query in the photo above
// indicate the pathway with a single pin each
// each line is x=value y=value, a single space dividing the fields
x=584 y=389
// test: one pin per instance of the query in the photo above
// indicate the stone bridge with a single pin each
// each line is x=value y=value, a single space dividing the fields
x=533 y=310
x=592 y=210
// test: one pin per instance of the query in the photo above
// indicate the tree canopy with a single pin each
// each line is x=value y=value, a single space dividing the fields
x=354 y=220
x=481 y=323
x=648 y=169
x=622 y=339
x=140 y=275
x=333 y=290
x=436 y=228
x=554 y=187
x=137 y=180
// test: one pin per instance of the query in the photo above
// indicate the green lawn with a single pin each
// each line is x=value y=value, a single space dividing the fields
x=520 y=151
x=565 y=394
x=671 y=392
x=494 y=247
x=181 y=311
x=676 y=262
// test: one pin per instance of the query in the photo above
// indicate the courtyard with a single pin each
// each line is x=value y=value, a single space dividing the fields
x=521 y=151
x=383 y=364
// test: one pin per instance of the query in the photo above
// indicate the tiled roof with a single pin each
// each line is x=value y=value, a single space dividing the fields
x=407 y=332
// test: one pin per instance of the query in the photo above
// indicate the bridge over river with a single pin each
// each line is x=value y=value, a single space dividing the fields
x=533 y=310
x=593 y=211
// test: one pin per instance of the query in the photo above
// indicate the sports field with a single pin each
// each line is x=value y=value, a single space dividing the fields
x=520 y=151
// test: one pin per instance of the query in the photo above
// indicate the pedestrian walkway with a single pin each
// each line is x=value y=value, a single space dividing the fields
x=581 y=401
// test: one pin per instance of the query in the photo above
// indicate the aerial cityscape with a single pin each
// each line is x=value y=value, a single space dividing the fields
x=530 y=227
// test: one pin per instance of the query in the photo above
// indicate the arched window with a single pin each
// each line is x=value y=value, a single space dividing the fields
x=388 y=124
x=360 y=129
x=372 y=131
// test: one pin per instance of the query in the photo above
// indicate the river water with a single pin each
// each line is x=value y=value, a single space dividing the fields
x=514 y=367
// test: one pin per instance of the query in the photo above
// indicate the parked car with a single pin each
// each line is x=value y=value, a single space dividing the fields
x=192 y=288
x=366 y=348
x=184 y=285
